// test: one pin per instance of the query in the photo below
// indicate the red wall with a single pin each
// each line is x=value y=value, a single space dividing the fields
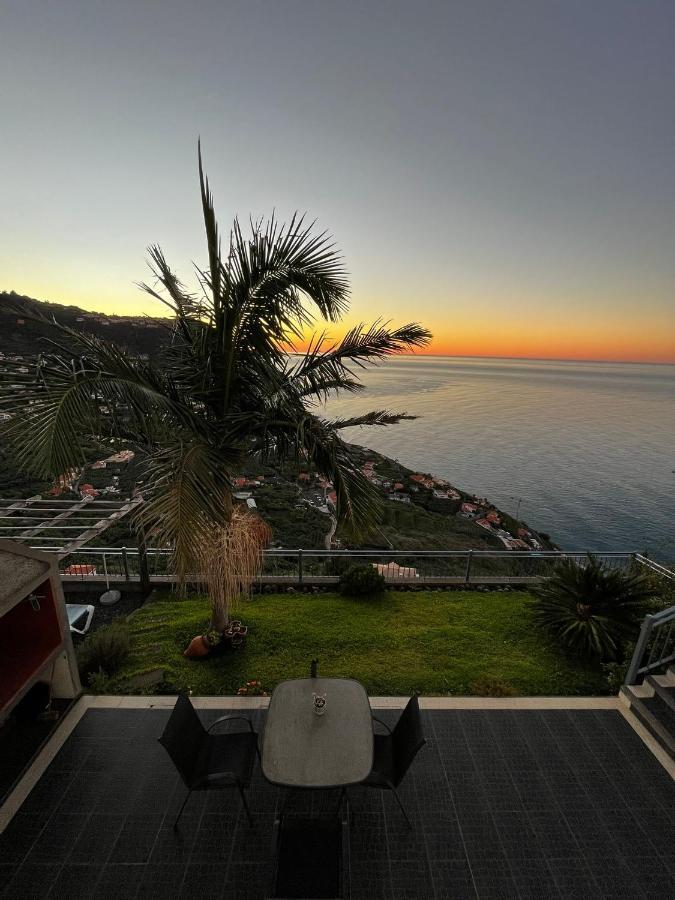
x=27 y=637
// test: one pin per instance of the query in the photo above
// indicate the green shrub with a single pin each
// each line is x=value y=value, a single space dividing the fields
x=212 y=637
x=104 y=651
x=99 y=683
x=614 y=673
x=336 y=565
x=593 y=611
x=361 y=581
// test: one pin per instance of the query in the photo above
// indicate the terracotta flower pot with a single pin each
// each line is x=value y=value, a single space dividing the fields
x=197 y=648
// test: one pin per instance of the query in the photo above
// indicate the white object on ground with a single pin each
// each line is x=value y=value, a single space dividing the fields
x=76 y=612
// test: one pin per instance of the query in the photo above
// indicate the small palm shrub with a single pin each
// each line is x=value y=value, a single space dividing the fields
x=361 y=581
x=593 y=611
x=104 y=651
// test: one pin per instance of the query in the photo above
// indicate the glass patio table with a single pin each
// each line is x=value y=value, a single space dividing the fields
x=304 y=750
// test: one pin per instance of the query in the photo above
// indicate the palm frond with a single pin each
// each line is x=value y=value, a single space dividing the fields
x=61 y=406
x=330 y=363
x=190 y=495
x=226 y=387
x=211 y=227
x=357 y=500
x=376 y=417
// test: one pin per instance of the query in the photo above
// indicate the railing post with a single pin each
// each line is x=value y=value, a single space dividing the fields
x=125 y=563
x=639 y=652
x=143 y=564
x=105 y=572
x=467 y=573
x=299 y=566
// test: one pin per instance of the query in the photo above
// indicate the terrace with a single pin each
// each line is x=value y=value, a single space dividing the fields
x=509 y=798
x=517 y=797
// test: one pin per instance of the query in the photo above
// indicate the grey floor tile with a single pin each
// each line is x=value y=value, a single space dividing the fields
x=371 y=878
x=76 y=882
x=503 y=803
x=56 y=840
x=96 y=840
x=161 y=881
x=411 y=878
x=119 y=882
x=205 y=881
x=19 y=836
x=452 y=878
x=33 y=882
x=136 y=840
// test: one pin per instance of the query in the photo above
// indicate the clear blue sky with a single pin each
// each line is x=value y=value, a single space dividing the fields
x=502 y=171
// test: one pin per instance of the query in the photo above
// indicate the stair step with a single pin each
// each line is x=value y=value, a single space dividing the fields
x=664 y=692
x=644 y=710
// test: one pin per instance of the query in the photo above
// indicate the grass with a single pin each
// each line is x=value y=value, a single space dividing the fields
x=433 y=642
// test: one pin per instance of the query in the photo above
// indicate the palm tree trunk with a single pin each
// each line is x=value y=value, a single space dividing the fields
x=220 y=619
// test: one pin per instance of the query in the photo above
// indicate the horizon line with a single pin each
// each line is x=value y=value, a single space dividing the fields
x=145 y=315
x=629 y=362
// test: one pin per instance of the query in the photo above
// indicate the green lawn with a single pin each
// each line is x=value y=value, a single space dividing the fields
x=431 y=642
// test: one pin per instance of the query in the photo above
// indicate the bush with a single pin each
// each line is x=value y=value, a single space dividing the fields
x=336 y=565
x=593 y=611
x=99 y=683
x=361 y=581
x=614 y=673
x=104 y=651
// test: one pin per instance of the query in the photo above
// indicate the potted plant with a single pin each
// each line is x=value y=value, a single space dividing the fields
x=203 y=644
x=252 y=689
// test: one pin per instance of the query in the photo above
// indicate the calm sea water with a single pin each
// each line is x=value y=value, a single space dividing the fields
x=587 y=448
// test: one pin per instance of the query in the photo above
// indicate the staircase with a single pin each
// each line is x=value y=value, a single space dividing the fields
x=653 y=703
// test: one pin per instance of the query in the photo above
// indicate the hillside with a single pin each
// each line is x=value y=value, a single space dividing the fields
x=20 y=335
x=420 y=511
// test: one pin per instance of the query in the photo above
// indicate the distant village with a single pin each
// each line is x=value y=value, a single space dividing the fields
x=313 y=490
x=318 y=492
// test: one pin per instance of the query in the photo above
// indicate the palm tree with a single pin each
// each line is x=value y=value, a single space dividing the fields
x=592 y=610
x=229 y=387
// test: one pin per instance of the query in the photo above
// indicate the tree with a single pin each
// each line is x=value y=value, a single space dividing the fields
x=593 y=610
x=230 y=386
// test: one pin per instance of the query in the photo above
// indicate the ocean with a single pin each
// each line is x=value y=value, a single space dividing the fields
x=584 y=451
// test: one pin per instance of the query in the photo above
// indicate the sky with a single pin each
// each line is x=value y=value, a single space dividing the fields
x=502 y=172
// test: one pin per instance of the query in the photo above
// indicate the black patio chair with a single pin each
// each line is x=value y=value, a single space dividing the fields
x=311 y=857
x=206 y=761
x=395 y=751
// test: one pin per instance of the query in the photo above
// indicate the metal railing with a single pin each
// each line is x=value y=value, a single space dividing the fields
x=655 y=647
x=315 y=567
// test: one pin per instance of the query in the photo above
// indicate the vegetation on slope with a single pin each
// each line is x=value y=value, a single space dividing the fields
x=21 y=334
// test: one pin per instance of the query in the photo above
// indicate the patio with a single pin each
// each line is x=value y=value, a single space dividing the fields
x=515 y=799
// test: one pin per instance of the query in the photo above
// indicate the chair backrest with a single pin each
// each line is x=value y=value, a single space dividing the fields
x=312 y=858
x=408 y=738
x=183 y=738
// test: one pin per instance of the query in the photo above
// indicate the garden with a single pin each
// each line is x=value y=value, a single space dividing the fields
x=432 y=642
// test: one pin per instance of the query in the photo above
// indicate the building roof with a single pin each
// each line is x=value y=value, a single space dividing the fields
x=64 y=525
x=393 y=570
x=80 y=569
x=20 y=570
